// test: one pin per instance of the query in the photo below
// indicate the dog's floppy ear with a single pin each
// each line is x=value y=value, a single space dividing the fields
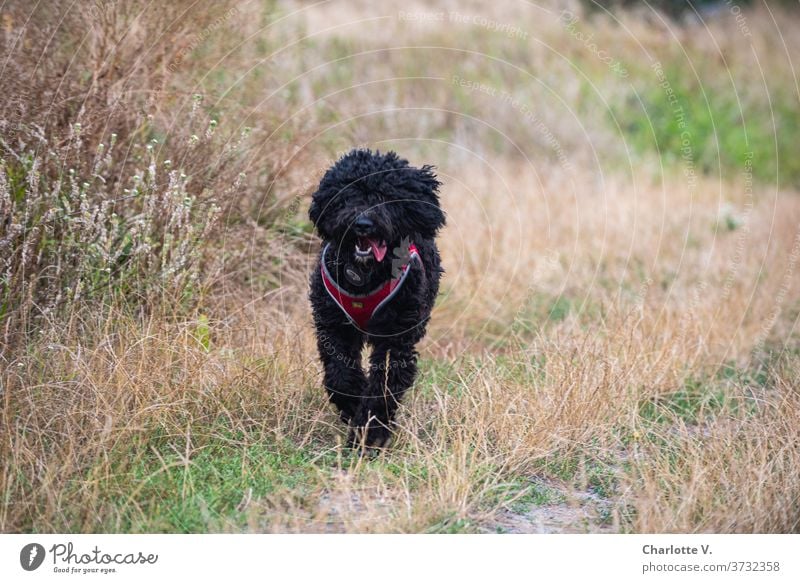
x=320 y=211
x=424 y=213
x=315 y=209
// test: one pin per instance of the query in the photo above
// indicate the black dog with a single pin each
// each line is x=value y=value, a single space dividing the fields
x=375 y=282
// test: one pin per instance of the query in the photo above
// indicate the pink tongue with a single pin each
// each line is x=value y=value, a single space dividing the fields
x=378 y=249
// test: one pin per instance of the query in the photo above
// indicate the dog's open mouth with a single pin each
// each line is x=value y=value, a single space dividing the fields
x=366 y=246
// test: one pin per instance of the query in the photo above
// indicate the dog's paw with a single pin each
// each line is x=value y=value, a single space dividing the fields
x=346 y=416
x=347 y=412
x=371 y=439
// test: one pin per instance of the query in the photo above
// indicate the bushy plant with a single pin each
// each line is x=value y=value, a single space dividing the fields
x=109 y=185
x=72 y=232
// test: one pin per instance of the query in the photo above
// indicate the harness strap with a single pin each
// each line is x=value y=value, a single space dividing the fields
x=359 y=309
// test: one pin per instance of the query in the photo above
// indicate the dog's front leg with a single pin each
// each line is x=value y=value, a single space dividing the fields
x=392 y=370
x=340 y=352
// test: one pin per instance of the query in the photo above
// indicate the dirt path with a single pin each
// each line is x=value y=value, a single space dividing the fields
x=580 y=512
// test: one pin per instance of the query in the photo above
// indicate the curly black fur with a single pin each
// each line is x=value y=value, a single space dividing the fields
x=384 y=198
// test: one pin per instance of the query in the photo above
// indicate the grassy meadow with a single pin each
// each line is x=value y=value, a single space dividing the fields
x=615 y=347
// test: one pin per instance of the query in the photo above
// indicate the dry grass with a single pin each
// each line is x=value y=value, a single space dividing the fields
x=614 y=346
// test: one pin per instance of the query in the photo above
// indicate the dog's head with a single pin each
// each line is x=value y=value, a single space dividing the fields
x=368 y=203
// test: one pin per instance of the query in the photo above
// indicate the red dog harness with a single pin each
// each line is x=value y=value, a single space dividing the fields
x=360 y=308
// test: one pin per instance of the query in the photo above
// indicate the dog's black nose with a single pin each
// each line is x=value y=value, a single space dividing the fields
x=363 y=226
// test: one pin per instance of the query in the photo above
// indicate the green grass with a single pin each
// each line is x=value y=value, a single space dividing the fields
x=721 y=129
x=412 y=471
x=452 y=525
x=602 y=479
x=154 y=490
x=442 y=375
x=159 y=492
x=702 y=398
x=754 y=377
x=562 y=467
x=693 y=403
x=521 y=494
x=541 y=310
